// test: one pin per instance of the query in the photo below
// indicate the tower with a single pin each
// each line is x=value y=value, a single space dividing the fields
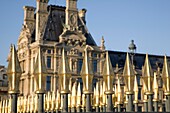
x=71 y=14
x=41 y=18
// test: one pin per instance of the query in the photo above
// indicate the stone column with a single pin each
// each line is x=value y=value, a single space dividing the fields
x=78 y=109
x=167 y=102
x=155 y=105
x=150 y=102
x=145 y=105
x=136 y=106
x=109 y=103
x=65 y=102
x=130 y=103
x=88 y=103
x=40 y=102
x=13 y=102
x=118 y=107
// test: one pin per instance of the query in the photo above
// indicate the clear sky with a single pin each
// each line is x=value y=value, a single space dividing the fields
x=119 y=21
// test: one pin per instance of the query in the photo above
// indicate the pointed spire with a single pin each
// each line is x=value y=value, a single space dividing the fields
x=40 y=71
x=108 y=69
x=147 y=69
x=129 y=74
x=148 y=74
x=73 y=96
x=155 y=87
x=13 y=71
x=87 y=74
x=108 y=74
x=166 y=75
x=64 y=65
x=136 y=90
x=86 y=67
x=128 y=68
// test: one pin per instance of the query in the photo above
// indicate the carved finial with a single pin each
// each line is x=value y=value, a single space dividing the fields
x=40 y=71
x=102 y=43
x=148 y=73
x=128 y=73
x=108 y=73
x=13 y=71
x=166 y=75
x=136 y=90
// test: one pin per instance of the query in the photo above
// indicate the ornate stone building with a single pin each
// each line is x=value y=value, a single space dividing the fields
x=3 y=83
x=52 y=28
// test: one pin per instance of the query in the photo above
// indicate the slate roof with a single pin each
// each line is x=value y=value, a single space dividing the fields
x=118 y=57
x=55 y=23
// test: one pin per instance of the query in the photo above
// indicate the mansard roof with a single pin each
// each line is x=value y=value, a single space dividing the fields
x=55 y=24
x=118 y=57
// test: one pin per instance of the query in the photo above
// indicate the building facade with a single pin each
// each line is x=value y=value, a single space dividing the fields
x=3 y=82
x=51 y=28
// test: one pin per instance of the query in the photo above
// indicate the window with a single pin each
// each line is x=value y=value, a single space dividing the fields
x=48 y=83
x=80 y=62
x=49 y=62
x=49 y=51
x=94 y=66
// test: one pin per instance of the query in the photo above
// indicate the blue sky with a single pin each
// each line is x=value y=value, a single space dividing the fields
x=119 y=21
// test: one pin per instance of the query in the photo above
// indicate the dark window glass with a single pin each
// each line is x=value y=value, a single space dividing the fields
x=48 y=83
x=80 y=62
x=94 y=66
x=49 y=51
x=48 y=61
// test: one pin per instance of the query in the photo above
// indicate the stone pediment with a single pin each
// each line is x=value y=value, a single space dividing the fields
x=73 y=38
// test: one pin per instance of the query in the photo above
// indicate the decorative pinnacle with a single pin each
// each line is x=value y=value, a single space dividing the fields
x=166 y=75
x=147 y=67
x=86 y=68
x=64 y=67
x=108 y=74
x=148 y=74
x=13 y=71
x=102 y=43
x=129 y=74
x=108 y=70
x=40 y=71
x=128 y=68
x=79 y=95
x=136 y=90
x=155 y=87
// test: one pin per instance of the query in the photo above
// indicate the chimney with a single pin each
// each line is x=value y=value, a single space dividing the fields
x=41 y=18
x=29 y=20
x=82 y=15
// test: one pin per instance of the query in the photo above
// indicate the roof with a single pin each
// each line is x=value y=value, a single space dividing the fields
x=55 y=23
x=118 y=57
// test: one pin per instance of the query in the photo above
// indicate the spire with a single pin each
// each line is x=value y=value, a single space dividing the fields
x=128 y=68
x=136 y=90
x=129 y=74
x=13 y=71
x=64 y=65
x=86 y=67
x=87 y=74
x=108 y=70
x=40 y=71
x=148 y=74
x=166 y=75
x=147 y=67
x=155 y=87
x=108 y=74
